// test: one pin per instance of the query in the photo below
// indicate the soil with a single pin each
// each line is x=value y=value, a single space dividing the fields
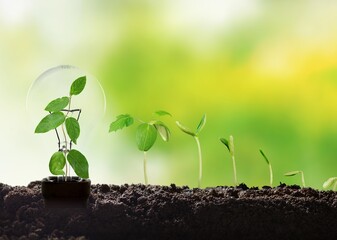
x=171 y=212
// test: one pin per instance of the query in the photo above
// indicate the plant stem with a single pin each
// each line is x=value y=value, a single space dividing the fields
x=200 y=161
x=271 y=175
x=145 y=171
x=234 y=171
x=303 y=182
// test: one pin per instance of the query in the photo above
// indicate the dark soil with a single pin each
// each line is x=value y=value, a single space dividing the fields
x=170 y=212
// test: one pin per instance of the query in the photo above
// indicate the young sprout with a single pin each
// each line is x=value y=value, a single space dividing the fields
x=230 y=146
x=146 y=134
x=270 y=169
x=293 y=173
x=331 y=182
x=195 y=135
x=61 y=117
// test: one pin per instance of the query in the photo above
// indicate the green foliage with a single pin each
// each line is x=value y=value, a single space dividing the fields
x=57 y=104
x=146 y=136
x=331 y=182
x=195 y=135
x=123 y=120
x=78 y=85
x=264 y=156
x=50 y=122
x=57 y=163
x=293 y=173
x=56 y=119
x=201 y=124
x=79 y=163
x=162 y=113
x=190 y=132
x=163 y=130
x=146 y=133
x=73 y=128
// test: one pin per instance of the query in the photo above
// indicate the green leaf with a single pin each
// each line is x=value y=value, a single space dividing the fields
x=50 y=122
x=57 y=163
x=57 y=104
x=329 y=182
x=79 y=163
x=185 y=129
x=78 y=85
x=162 y=113
x=201 y=124
x=123 y=120
x=146 y=136
x=73 y=128
x=292 y=173
x=163 y=130
x=264 y=156
x=225 y=141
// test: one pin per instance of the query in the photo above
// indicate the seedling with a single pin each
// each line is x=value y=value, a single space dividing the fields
x=331 y=182
x=60 y=116
x=195 y=135
x=230 y=146
x=270 y=169
x=293 y=173
x=146 y=134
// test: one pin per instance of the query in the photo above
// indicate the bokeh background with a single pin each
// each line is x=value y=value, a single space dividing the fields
x=263 y=71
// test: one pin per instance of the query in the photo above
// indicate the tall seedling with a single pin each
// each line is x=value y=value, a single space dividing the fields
x=146 y=133
x=60 y=116
x=195 y=135
x=270 y=168
x=230 y=146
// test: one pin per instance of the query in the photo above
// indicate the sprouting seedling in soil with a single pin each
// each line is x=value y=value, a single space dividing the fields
x=270 y=169
x=331 y=182
x=293 y=173
x=146 y=134
x=60 y=116
x=195 y=135
x=230 y=146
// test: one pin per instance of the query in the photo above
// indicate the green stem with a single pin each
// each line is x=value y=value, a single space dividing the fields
x=234 y=171
x=145 y=172
x=334 y=186
x=303 y=182
x=200 y=161
x=271 y=175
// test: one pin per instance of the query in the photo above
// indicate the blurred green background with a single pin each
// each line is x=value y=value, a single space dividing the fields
x=263 y=71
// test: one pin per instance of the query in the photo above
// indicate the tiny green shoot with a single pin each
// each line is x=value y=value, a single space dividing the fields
x=331 y=182
x=230 y=146
x=60 y=116
x=195 y=135
x=293 y=173
x=146 y=133
x=270 y=168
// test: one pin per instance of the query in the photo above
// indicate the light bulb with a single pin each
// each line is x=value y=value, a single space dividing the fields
x=55 y=83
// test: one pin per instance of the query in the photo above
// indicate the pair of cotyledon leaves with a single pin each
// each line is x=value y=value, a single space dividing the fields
x=56 y=118
x=146 y=134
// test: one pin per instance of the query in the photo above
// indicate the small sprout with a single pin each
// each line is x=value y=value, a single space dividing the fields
x=331 y=182
x=270 y=169
x=293 y=173
x=230 y=146
x=195 y=135
x=59 y=110
x=146 y=133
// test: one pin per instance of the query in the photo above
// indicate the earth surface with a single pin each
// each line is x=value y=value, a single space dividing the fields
x=171 y=212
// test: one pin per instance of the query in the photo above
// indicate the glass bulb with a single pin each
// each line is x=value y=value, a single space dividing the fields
x=55 y=83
